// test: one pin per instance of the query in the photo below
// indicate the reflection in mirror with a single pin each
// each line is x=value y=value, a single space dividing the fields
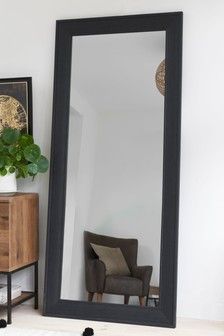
x=114 y=170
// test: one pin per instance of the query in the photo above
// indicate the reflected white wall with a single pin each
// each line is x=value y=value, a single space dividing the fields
x=78 y=195
x=119 y=179
x=74 y=141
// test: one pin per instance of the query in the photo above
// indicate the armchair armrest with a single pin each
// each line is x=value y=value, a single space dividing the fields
x=143 y=273
x=95 y=276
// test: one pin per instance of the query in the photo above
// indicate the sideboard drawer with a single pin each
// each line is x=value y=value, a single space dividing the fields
x=4 y=210
x=4 y=216
x=4 y=248
x=18 y=230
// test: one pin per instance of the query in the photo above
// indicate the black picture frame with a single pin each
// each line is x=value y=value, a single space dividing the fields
x=20 y=88
x=165 y=314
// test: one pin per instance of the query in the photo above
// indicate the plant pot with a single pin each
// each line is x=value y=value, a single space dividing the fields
x=8 y=183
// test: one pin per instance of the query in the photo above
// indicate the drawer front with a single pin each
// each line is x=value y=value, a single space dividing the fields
x=4 y=235
x=4 y=215
x=4 y=249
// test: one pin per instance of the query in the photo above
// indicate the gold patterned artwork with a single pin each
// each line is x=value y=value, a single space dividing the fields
x=160 y=77
x=12 y=113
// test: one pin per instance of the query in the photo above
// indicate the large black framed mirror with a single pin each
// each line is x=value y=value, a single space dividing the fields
x=114 y=181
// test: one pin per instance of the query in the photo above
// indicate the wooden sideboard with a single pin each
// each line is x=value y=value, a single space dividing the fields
x=18 y=230
x=19 y=217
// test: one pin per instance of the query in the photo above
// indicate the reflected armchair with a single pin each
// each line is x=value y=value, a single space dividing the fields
x=97 y=282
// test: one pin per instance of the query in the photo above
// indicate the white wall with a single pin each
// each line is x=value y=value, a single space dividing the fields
x=27 y=31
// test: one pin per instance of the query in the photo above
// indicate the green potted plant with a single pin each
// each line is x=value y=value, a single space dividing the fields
x=20 y=157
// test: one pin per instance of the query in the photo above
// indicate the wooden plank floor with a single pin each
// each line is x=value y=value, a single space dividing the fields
x=26 y=317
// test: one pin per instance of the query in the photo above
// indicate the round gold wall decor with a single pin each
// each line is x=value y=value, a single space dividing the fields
x=160 y=77
x=12 y=113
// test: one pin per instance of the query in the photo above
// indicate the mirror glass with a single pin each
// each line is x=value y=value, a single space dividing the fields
x=114 y=170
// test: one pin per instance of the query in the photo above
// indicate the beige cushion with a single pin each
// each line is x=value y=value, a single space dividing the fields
x=113 y=259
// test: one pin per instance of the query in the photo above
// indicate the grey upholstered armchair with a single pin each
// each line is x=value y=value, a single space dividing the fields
x=97 y=282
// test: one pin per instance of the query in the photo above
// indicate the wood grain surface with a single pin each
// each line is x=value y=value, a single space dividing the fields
x=18 y=230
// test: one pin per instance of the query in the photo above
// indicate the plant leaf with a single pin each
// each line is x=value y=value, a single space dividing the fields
x=3 y=172
x=22 y=171
x=32 y=153
x=1 y=146
x=2 y=162
x=10 y=135
x=32 y=168
x=8 y=161
x=18 y=157
x=12 y=170
x=12 y=150
x=26 y=140
x=42 y=164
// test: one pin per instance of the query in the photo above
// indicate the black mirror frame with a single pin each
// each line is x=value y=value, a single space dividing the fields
x=165 y=314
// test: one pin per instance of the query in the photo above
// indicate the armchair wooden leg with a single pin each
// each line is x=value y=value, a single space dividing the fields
x=141 y=300
x=90 y=297
x=126 y=299
x=99 y=297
